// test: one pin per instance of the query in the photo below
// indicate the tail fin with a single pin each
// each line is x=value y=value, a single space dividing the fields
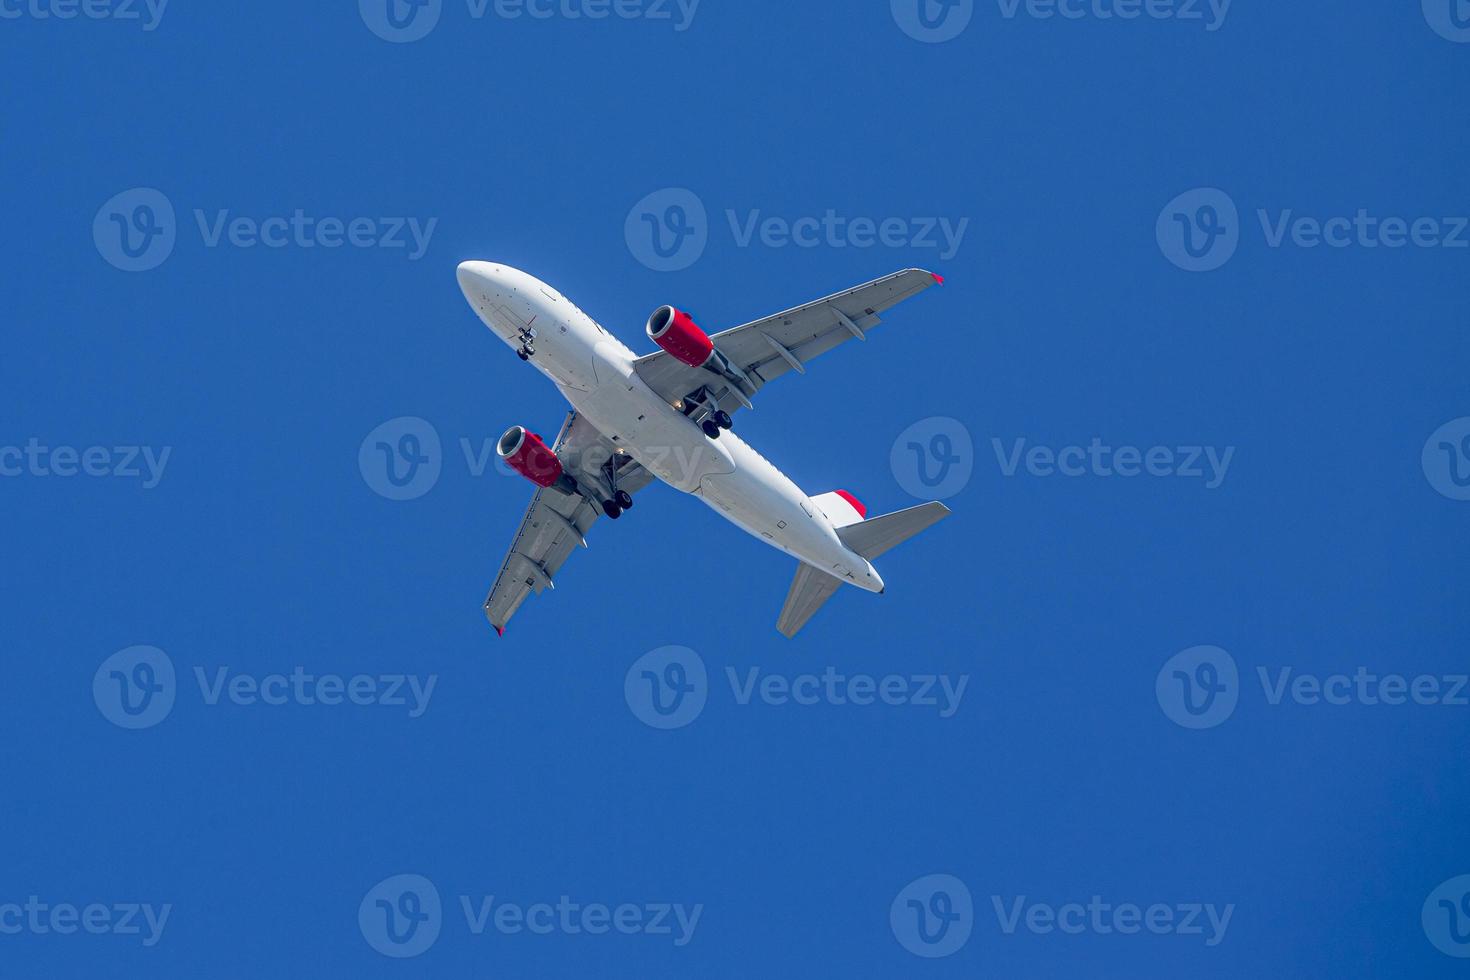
x=809 y=590
x=873 y=537
x=841 y=507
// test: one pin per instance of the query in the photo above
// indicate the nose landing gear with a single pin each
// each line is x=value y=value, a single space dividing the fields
x=527 y=336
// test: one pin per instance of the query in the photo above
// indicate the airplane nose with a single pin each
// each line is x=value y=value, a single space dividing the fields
x=472 y=276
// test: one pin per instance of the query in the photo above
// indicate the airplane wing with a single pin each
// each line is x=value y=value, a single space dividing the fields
x=768 y=348
x=556 y=523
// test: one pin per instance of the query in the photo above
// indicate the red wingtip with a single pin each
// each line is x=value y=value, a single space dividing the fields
x=937 y=278
x=499 y=630
x=857 y=504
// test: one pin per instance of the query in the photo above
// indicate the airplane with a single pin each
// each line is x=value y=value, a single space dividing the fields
x=668 y=416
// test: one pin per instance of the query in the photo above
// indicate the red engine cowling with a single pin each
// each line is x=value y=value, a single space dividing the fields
x=524 y=452
x=676 y=333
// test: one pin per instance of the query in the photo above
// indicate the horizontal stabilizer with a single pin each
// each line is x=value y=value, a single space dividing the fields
x=876 y=535
x=809 y=590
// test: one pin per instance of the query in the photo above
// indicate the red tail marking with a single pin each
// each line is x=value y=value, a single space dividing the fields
x=857 y=504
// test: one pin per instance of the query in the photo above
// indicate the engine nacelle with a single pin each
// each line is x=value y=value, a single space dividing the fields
x=524 y=452
x=676 y=333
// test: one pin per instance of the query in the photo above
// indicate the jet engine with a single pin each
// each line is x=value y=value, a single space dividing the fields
x=526 y=453
x=676 y=332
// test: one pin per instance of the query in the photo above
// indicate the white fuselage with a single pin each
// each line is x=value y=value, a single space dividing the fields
x=594 y=370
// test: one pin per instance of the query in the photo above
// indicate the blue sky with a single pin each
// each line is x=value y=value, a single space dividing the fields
x=1199 y=373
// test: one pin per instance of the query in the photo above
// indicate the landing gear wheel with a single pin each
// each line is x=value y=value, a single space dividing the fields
x=722 y=419
x=710 y=428
x=611 y=509
x=623 y=499
x=522 y=354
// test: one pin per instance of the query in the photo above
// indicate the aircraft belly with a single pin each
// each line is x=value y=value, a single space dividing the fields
x=663 y=440
x=761 y=500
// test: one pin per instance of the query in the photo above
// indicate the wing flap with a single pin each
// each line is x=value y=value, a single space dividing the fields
x=804 y=333
x=555 y=524
x=553 y=527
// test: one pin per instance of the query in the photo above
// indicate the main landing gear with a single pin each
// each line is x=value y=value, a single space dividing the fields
x=715 y=421
x=622 y=500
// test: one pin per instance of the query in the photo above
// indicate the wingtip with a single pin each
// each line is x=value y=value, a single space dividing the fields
x=937 y=278
x=499 y=630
